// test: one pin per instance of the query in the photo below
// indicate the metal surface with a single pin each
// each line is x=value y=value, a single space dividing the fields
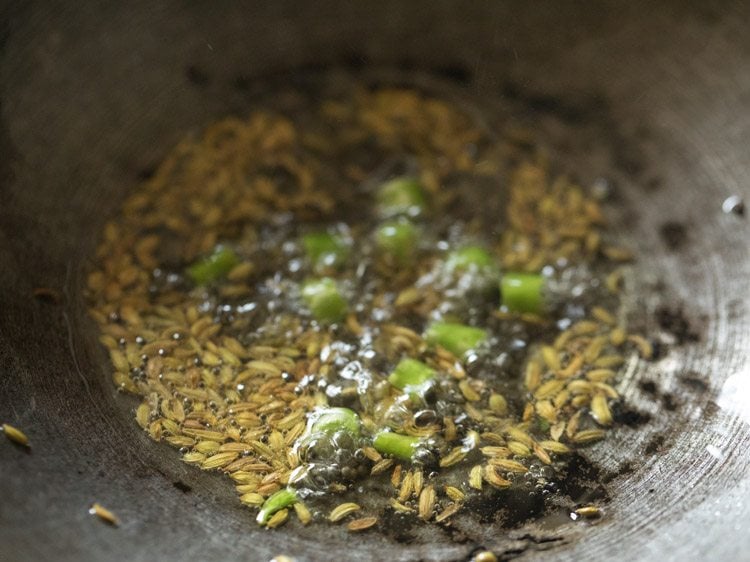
x=655 y=97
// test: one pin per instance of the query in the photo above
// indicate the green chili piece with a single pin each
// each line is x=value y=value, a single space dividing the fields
x=324 y=249
x=325 y=301
x=394 y=444
x=456 y=338
x=276 y=502
x=410 y=373
x=468 y=257
x=397 y=238
x=522 y=292
x=213 y=267
x=401 y=196
x=331 y=420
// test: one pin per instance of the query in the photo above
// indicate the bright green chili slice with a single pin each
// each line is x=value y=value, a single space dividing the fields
x=324 y=249
x=401 y=196
x=400 y=446
x=459 y=339
x=469 y=257
x=331 y=420
x=284 y=498
x=410 y=373
x=324 y=299
x=397 y=238
x=213 y=267
x=413 y=377
x=522 y=292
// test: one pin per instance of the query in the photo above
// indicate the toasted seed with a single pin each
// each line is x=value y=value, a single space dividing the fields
x=469 y=393
x=398 y=506
x=454 y=457
x=15 y=435
x=252 y=498
x=550 y=358
x=588 y=436
x=617 y=254
x=207 y=447
x=407 y=486
x=382 y=466
x=588 y=511
x=104 y=514
x=603 y=315
x=594 y=348
x=600 y=375
x=600 y=409
x=193 y=457
x=494 y=479
x=533 y=375
x=361 y=524
x=278 y=519
x=496 y=451
x=484 y=556
x=475 y=477
x=454 y=493
x=541 y=454
x=508 y=465
x=396 y=476
x=644 y=347
x=448 y=512
x=372 y=454
x=554 y=447
x=498 y=404
x=303 y=514
x=549 y=389
x=427 y=503
x=519 y=435
x=609 y=361
x=342 y=510
x=614 y=281
x=417 y=481
x=519 y=449
x=556 y=430
x=617 y=336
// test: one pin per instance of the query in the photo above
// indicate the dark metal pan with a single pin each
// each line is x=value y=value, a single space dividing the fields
x=653 y=96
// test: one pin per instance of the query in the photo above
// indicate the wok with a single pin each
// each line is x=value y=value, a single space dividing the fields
x=655 y=97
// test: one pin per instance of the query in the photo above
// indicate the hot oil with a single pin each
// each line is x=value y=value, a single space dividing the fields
x=477 y=188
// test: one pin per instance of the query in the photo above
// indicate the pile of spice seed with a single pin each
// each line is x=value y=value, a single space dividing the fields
x=233 y=392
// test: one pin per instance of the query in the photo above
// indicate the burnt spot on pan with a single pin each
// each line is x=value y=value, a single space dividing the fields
x=577 y=111
x=674 y=235
x=197 y=76
x=674 y=322
x=694 y=381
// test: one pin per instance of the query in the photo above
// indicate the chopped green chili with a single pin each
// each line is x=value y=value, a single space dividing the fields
x=413 y=377
x=213 y=267
x=401 y=196
x=276 y=502
x=522 y=292
x=324 y=249
x=395 y=444
x=324 y=299
x=456 y=338
x=397 y=238
x=410 y=373
x=331 y=420
x=469 y=257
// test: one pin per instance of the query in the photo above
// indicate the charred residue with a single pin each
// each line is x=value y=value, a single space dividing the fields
x=674 y=321
x=674 y=235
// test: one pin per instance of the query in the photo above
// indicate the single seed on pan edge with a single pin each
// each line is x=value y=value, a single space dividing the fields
x=342 y=510
x=104 y=514
x=15 y=435
x=361 y=524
